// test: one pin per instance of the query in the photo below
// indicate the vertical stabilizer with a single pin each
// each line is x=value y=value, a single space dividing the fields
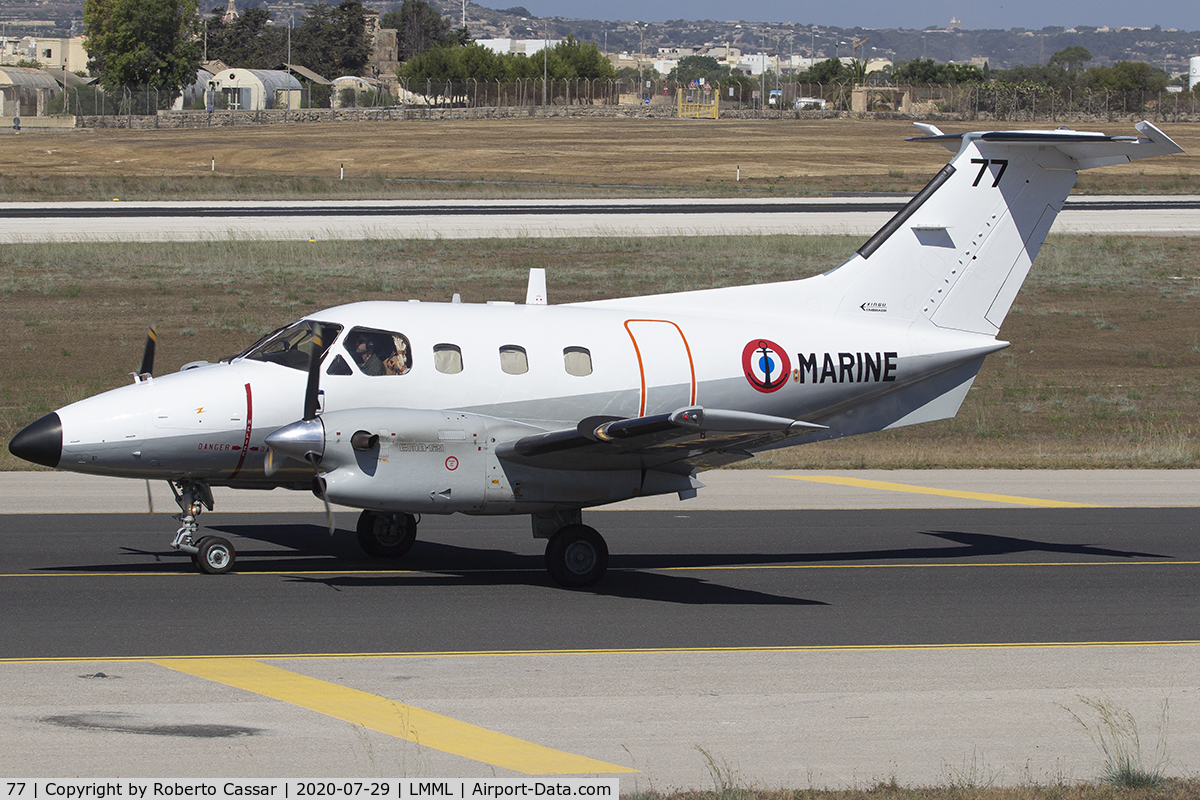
x=956 y=255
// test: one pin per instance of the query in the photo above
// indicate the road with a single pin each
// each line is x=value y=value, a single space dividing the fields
x=796 y=646
x=861 y=216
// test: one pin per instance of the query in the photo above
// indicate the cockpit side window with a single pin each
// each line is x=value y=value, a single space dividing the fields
x=289 y=346
x=377 y=352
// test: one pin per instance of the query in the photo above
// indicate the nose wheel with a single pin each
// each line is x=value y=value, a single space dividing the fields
x=214 y=555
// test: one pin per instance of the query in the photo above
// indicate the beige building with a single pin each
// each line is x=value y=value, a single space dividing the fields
x=65 y=54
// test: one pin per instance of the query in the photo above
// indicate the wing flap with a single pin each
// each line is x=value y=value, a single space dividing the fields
x=687 y=436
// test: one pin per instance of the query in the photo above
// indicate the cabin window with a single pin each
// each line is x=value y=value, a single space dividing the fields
x=577 y=360
x=377 y=352
x=513 y=359
x=447 y=358
x=289 y=346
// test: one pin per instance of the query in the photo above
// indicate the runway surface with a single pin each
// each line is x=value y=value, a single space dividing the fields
x=281 y=220
x=796 y=646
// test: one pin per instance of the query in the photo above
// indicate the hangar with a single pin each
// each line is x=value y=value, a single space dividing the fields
x=25 y=92
x=254 y=89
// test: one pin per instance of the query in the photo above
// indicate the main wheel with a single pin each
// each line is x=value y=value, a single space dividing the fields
x=576 y=556
x=215 y=555
x=384 y=534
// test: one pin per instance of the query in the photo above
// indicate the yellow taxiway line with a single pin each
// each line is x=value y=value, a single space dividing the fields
x=909 y=488
x=390 y=717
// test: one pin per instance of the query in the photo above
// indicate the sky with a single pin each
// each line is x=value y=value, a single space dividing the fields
x=1002 y=14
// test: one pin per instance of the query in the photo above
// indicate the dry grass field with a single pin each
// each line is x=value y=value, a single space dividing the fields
x=524 y=157
x=1104 y=370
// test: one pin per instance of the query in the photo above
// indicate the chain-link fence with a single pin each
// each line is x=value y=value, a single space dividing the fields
x=744 y=97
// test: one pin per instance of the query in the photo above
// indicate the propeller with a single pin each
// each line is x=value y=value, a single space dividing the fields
x=148 y=353
x=306 y=438
x=322 y=338
x=320 y=484
x=146 y=368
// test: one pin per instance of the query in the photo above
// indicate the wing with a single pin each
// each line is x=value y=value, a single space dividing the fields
x=688 y=439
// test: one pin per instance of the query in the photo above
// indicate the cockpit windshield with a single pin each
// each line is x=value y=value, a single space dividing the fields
x=290 y=345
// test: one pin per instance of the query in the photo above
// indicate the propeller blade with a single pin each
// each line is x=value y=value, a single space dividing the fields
x=312 y=459
x=322 y=338
x=149 y=500
x=148 y=352
x=269 y=465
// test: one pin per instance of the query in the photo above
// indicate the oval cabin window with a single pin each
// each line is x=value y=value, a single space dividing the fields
x=447 y=358
x=513 y=359
x=577 y=360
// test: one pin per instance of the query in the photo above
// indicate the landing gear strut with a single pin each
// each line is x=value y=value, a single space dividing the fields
x=211 y=554
x=386 y=534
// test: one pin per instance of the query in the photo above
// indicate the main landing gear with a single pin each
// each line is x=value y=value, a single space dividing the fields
x=386 y=534
x=576 y=554
x=211 y=554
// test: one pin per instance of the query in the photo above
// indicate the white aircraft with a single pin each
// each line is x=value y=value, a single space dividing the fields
x=403 y=409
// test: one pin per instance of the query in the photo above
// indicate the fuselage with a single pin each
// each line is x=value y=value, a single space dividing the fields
x=540 y=366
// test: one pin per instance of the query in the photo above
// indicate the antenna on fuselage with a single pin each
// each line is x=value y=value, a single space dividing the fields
x=535 y=295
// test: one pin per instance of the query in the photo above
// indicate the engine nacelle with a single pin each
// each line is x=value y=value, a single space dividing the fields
x=440 y=462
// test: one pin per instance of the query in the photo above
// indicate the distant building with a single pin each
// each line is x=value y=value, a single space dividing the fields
x=25 y=92
x=514 y=46
x=359 y=87
x=254 y=89
x=65 y=54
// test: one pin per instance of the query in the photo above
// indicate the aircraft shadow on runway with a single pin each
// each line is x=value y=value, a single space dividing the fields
x=309 y=548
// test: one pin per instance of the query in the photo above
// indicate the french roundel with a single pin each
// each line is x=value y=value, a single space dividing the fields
x=766 y=365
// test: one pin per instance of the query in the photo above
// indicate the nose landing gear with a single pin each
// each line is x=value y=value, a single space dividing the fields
x=211 y=554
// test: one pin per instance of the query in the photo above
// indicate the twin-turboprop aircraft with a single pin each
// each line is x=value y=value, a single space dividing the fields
x=404 y=409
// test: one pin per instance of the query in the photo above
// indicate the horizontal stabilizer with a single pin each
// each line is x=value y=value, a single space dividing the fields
x=1088 y=149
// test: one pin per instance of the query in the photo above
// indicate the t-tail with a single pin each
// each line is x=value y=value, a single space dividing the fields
x=956 y=255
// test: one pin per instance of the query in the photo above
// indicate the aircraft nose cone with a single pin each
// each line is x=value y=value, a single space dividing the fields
x=40 y=442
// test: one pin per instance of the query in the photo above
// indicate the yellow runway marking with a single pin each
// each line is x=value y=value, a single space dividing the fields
x=909 y=488
x=425 y=728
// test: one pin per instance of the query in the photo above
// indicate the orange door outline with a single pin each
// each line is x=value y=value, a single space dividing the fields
x=642 y=367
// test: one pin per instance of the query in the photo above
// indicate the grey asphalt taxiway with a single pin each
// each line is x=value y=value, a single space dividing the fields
x=406 y=219
x=790 y=628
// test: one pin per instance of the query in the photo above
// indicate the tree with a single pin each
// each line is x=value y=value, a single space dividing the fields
x=1125 y=76
x=1051 y=76
x=831 y=70
x=571 y=59
x=922 y=71
x=418 y=28
x=332 y=41
x=150 y=43
x=248 y=41
x=1071 y=58
x=690 y=68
